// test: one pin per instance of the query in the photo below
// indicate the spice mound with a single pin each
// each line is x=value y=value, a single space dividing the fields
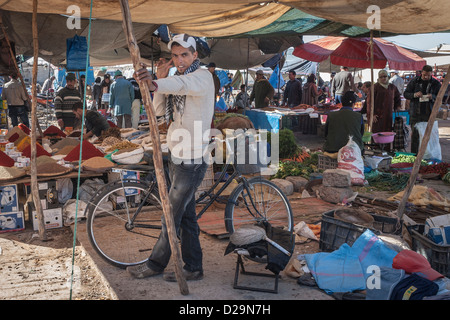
x=123 y=145
x=11 y=173
x=97 y=164
x=51 y=169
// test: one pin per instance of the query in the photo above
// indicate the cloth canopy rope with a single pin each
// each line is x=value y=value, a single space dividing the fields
x=81 y=156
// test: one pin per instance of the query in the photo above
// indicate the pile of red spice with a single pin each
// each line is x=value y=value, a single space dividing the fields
x=88 y=151
x=40 y=151
x=5 y=160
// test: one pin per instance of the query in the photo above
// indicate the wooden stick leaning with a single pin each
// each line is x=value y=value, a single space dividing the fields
x=372 y=89
x=34 y=182
x=423 y=145
x=157 y=152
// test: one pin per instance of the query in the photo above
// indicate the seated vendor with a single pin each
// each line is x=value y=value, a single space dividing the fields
x=95 y=123
x=342 y=124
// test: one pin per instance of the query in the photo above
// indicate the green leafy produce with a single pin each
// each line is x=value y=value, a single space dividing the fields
x=294 y=168
x=385 y=181
x=446 y=177
x=406 y=159
x=288 y=146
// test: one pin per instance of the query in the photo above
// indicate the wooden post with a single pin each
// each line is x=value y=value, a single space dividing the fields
x=423 y=145
x=157 y=152
x=13 y=58
x=34 y=183
x=372 y=90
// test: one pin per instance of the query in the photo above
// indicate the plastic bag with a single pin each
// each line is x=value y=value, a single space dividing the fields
x=433 y=150
x=65 y=189
x=350 y=159
x=70 y=209
x=76 y=54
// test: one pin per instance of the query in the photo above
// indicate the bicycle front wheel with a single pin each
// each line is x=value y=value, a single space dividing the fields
x=124 y=222
x=262 y=201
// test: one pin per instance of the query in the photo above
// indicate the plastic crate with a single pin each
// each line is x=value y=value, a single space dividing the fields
x=335 y=232
x=325 y=162
x=437 y=255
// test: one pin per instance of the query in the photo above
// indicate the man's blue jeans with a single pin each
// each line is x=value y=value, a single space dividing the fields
x=185 y=179
x=16 y=112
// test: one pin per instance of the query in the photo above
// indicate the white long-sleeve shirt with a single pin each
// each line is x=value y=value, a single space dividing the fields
x=188 y=135
x=397 y=81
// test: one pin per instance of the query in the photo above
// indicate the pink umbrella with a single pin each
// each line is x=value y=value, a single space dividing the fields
x=355 y=52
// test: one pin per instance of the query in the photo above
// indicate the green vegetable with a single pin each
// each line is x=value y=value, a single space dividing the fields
x=446 y=177
x=294 y=168
x=406 y=159
x=385 y=181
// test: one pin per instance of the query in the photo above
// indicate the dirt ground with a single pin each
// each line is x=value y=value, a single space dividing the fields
x=31 y=269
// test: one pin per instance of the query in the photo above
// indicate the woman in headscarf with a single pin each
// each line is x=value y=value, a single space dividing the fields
x=310 y=95
x=386 y=100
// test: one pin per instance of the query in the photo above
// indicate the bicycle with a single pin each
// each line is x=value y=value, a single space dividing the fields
x=123 y=232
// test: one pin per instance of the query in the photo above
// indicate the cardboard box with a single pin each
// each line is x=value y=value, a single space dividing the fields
x=52 y=219
x=438 y=229
x=9 y=199
x=12 y=222
x=115 y=175
x=48 y=194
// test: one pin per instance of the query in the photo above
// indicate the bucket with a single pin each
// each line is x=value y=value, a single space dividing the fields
x=383 y=137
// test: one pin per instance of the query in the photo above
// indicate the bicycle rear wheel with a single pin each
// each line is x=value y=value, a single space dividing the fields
x=124 y=222
x=263 y=201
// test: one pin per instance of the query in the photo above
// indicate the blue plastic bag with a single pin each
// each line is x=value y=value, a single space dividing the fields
x=76 y=54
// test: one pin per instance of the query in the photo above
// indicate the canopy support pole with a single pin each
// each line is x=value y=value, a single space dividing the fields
x=372 y=89
x=157 y=153
x=246 y=74
x=34 y=182
x=423 y=145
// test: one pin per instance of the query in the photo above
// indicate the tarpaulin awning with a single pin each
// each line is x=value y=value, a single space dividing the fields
x=214 y=19
x=355 y=52
x=225 y=18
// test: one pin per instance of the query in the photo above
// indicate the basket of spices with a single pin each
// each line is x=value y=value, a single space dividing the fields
x=130 y=155
x=97 y=164
x=51 y=169
x=7 y=174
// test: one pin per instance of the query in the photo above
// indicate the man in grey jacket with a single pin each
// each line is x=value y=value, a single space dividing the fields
x=342 y=83
x=186 y=100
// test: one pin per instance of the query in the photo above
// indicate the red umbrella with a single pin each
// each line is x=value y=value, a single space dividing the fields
x=355 y=52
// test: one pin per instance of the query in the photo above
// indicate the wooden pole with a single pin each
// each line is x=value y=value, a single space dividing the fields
x=423 y=145
x=34 y=183
x=13 y=58
x=157 y=152
x=372 y=90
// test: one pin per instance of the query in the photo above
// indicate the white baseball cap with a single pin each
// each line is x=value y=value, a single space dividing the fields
x=184 y=40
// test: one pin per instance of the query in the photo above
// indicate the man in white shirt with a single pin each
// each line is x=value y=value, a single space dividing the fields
x=15 y=96
x=189 y=94
x=397 y=81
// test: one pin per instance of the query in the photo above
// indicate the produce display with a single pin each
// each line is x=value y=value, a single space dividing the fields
x=440 y=168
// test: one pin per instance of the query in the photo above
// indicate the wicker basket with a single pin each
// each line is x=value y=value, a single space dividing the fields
x=326 y=162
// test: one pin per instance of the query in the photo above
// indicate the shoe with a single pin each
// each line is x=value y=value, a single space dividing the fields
x=141 y=271
x=189 y=276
